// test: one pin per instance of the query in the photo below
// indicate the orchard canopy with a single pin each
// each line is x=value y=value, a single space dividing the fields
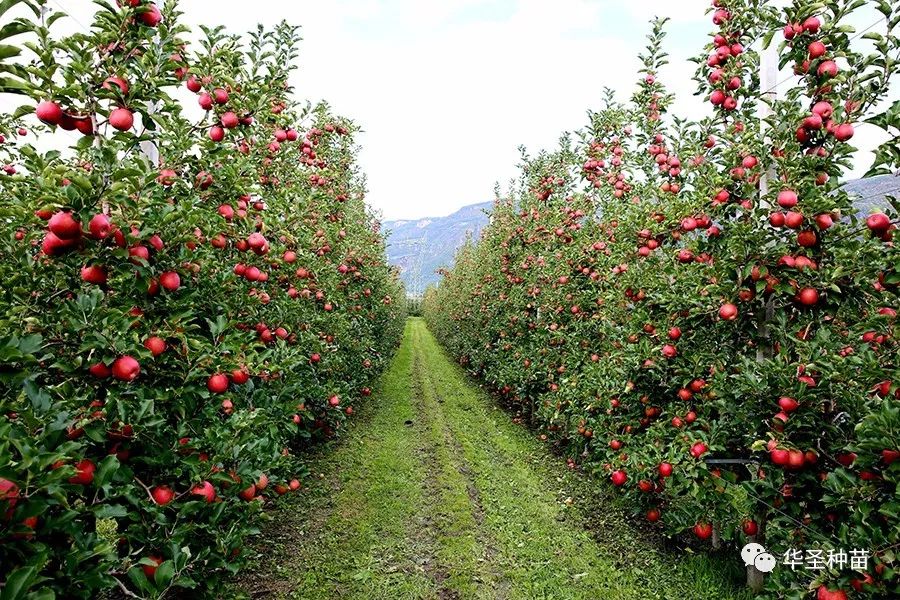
x=187 y=304
x=697 y=313
x=195 y=300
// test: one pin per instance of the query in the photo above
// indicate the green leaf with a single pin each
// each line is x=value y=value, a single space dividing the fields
x=18 y=582
x=111 y=511
x=164 y=573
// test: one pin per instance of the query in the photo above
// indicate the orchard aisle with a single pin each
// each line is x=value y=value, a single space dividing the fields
x=434 y=493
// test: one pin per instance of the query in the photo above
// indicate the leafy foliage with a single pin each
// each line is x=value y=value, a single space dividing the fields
x=701 y=296
x=182 y=316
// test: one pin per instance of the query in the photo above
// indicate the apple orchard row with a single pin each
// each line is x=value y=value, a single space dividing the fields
x=698 y=313
x=193 y=295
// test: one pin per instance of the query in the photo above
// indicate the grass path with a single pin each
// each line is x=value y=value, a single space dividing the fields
x=433 y=493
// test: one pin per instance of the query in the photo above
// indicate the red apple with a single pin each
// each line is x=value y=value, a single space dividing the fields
x=126 y=368
x=788 y=404
x=703 y=530
x=248 y=493
x=156 y=345
x=750 y=527
x=100 y=371
x=64 y=226
x=728 y=312
x=49 y=112
x=84 y=472
x=121 y=119
x=170 y=280
x=217 y=133
x=878 y=223
x=217 y=383
x=99 y=226
x=150 y=16
x=204 y=490
x=824 y=593
x=808 y=296
x=787 y=198
x=162 y=495
x=94 y=274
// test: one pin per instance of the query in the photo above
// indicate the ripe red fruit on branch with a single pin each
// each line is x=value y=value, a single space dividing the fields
x=99 y=226
x=669 y=351
x=750 y=527
x=216 y=133
x=824 y=221
x=698 y=449
x=54 y=246
x=240 y=377
x=807 y=239
x=100 y=371
x=248 y=493
x=220 y=95
x=9 y=494
x=205 y=491
x=808 y=296
x=824 y=593
x=49 y=112
x=218 y=383
x=816 y=49
x=64 y=226
x=150 y=570
x=779 y=456
x=151 y=16
x=878 y=223
x=193 y=84
x=126 y=368
x=94 y=274
x=787 y=199
x=665 y=469
x=843 y=132
x=703 y=530
x=84 y=472
x=618 y=477
x=156 y=345
x=170 y=280
x=162 y=495
x=229 y=120
x=827 y=68
x=788 y=404
x=728 y=312
x=114 y=82
x=121 y=119
x=653 y=515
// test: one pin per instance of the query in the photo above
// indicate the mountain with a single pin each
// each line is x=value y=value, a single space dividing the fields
x=419 y=247
x=871 y=192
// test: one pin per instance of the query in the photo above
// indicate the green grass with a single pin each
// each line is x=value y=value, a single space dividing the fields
x=435 y=493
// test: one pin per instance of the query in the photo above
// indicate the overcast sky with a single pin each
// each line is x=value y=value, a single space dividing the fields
x=446 y=90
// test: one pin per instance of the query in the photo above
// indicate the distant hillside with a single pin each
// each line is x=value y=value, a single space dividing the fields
x=421 y=246
x=418 y=248
x=870 y=193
